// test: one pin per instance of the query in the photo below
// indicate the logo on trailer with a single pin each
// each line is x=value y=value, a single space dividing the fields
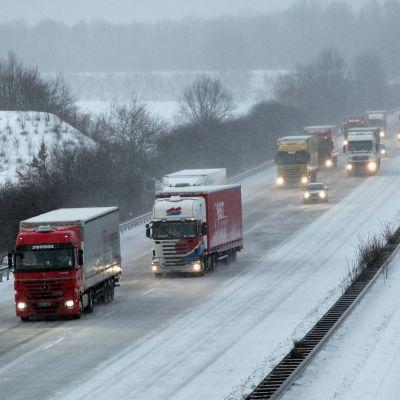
x=45 y=287
x=174 y=211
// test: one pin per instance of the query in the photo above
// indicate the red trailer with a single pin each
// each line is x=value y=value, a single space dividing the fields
x=65 y=260
x=193 y=227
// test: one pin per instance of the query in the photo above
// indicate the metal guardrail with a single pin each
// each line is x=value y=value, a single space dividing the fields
x=293 y=364
x=142 y=219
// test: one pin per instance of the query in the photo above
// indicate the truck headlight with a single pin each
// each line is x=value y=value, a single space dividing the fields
x=349 y=167
x=383 y=151
x=196 y=266
x=382 y=134
x=372 y=166
x=155 y=265
x=328 y=163
x=21 y=305
x=345 y=142
x=306 y=195
x=322 y=195
x=69 y=303
x=304 y=179
x=398 y=136
x=280 y=181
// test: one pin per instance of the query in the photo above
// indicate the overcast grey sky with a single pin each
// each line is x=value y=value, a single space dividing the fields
x=72 y=11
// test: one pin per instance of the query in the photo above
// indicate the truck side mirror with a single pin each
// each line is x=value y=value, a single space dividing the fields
x=80 y=257
x=148 y=233
x=203 y=229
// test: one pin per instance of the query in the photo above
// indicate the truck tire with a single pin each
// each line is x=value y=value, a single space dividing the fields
x=25 y=319
x=157 y=275
x=90 y=305
x=335 y=161
x=234 y=255
x=106 y=290
x=213 y=261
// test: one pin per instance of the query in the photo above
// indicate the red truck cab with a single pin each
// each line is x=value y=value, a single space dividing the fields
x=65 y=260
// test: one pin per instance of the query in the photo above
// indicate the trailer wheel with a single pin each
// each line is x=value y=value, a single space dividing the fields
x=106 y=290
x=112 y=289
x=234 y=255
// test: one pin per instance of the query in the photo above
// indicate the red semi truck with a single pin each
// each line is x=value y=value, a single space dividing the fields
x=65 y=260
x=194 y=227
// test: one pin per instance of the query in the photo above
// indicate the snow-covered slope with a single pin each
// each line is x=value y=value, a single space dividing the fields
x=22 y=134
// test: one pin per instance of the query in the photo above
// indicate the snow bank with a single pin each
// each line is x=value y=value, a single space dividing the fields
x=22 y=134
x=362 y=360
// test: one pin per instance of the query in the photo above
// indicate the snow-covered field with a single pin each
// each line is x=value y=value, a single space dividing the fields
x=22 y=134
x=222 y=347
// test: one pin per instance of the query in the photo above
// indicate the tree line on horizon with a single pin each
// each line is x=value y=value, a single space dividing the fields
x=133 y=147
x=275 y=41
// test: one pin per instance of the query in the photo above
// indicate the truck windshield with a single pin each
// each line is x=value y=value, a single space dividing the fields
x=358 y=146
x=44 y=257
x=174 y=230
x=299 y=157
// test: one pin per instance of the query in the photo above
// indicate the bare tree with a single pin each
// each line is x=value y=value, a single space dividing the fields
x=204 y=101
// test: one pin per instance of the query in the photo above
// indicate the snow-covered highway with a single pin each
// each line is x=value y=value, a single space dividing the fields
x=211 y=337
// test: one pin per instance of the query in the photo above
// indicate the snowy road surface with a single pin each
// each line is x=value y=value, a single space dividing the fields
x=180 y=338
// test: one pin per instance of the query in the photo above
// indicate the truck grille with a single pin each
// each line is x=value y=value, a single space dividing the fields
x=174 y=253
x=360 y=158
x=38 y=290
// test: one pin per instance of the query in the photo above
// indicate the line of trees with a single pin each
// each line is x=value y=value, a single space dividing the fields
x=132 y=146
x=261 y=42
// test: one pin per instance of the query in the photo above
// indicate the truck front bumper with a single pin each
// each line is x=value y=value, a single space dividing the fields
x=194 y=267
x=27 y=308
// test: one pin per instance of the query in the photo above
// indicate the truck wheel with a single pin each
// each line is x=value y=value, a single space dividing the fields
x=213 y=262
x=157 y=275
x=335 y=162
x=90 y=305
x=25 y=319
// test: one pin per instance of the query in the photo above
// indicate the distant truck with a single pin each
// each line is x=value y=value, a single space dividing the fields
x=297 y=160
x=363 y=153
x=194 y=227
x=355 y=121
x=327 y=138
x=195 y=177
x=378 y=119
x=65 y=260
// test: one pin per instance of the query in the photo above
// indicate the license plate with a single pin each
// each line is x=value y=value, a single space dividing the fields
x=44 y=303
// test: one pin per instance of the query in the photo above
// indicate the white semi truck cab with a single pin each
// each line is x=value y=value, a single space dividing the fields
x=178 y=233
x=363 y=151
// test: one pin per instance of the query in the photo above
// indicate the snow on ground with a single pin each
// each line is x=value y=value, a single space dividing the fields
x=221 y=348
x=6 y=290
x=21 y=136
x=362 y=359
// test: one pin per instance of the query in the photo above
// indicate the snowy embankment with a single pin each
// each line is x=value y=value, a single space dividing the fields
x=22 y=134
x=362 y=359
x=225 y=345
